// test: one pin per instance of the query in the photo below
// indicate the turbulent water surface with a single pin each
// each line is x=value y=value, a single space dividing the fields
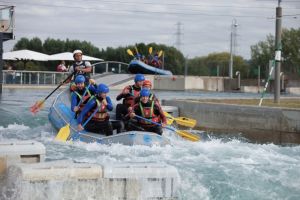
x=217 y=168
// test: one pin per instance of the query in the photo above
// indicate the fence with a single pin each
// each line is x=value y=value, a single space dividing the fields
x=53 y=78
x=33 y=77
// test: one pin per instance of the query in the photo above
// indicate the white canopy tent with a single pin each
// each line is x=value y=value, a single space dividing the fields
x=69 y=56
x=33 y=55
x=25 y=55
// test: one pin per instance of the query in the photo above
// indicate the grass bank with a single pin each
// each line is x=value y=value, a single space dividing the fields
x=285 y=103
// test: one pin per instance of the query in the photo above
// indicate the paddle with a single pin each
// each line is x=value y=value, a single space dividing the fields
x=183 y=121
x=160 y=53
x=66 y=129
x=39 y=104
x=184 y=134
x=64 y=132
x=136 y=50
x=130 y=52
x=150 y=50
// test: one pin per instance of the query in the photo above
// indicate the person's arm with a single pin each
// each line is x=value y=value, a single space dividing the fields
x=87 y=68
x=160 y=112
x=109 y=104
x=73 y=101
x=125 y=93
x=85 y=110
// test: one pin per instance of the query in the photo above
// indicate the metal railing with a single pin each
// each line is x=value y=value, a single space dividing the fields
x=110 y=66
x=33 y=77
x=53 y=78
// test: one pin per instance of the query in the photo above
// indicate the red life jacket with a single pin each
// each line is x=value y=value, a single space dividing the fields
x=148 y=113
x=129 y=101
x=101 y=114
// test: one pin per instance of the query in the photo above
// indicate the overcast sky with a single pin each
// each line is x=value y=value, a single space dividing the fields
x=205 y=25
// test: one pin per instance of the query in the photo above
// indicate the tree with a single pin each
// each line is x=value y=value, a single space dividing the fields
x=264 y=51
x=209 y=65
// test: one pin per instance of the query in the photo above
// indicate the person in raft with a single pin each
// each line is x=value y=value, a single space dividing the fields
x=99 y=122
x=149 y=110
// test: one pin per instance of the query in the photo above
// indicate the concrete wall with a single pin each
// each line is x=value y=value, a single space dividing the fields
x=189 y=83
x=279 y=125
x=23 y=177
x=67 y=180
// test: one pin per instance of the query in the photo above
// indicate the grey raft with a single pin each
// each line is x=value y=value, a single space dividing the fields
x=60 y=114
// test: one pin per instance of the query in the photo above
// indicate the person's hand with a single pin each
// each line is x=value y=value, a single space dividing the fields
x=78 y=69
x=104 y=102
x=92 y=81
x=76 y=108
x=80 y=127
x=132 y=115
x=126 y=91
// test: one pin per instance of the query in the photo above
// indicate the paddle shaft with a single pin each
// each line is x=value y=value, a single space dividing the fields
x=58 y=86
x=81 y=100
x=92 y=115
x=158 y=124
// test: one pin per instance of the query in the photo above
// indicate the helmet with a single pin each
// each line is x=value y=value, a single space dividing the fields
x=147 y=83
x=77 y=51
x=145 y=92
x=79 y=79
x=102 y=88
x=139 y=77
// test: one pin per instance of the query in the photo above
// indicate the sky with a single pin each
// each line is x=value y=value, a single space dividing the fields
x=195 y=27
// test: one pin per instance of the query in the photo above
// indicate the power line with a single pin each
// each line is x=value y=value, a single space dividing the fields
x=145 y=11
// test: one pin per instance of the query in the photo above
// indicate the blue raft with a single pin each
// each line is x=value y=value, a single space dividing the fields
x=60 y=114
x=137 y=66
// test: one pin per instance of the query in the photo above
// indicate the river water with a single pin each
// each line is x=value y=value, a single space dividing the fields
x=217 y=168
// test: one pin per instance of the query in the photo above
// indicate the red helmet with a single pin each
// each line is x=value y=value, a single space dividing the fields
x=147 y=83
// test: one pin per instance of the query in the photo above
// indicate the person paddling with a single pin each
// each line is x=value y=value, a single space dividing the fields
x=81 y=93
x=99 y=123
x=128 y=94
x=80 y=67
x=149 y=110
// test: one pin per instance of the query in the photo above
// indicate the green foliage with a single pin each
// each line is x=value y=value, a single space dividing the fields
x=264 y=51
x=216 y=63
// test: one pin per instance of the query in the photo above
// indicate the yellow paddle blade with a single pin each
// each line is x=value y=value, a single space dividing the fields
x=188 y=135
x=150 y=50
x=160 y=53
x=169 y=117
x=169 y=121
x=184 y=121
x=63 y=133
x=37 y=106
x=130 y=52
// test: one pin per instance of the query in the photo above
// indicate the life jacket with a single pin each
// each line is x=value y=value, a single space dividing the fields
x=81 y=64
x=85 y=98
x=129 y=101
x=101 y=114
x=148 y=113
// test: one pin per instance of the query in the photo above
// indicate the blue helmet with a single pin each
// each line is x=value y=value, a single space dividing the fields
x=79 y=79
x=102 y=88
x=145 y=92
x=139 y=77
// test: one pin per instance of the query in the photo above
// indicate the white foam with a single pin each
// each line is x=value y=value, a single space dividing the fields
x=19 y=127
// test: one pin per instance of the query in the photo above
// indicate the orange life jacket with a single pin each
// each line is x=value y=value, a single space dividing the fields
x=101 y=114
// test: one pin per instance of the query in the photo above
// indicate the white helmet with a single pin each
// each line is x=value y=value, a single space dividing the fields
x=77 y=51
